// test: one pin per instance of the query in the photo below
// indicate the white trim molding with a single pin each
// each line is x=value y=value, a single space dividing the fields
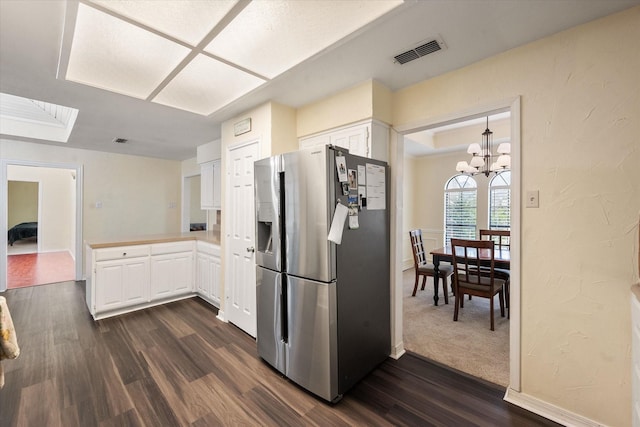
x=548 y=410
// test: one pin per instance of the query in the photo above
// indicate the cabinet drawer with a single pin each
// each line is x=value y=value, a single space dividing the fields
x=121 y=252
x=170 y=248
x=208 y=248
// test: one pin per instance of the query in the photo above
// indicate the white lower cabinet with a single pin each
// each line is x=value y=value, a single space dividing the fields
x=171 y=275
x=208 y=273
x=121 y=283
x=120 y=278
x=128 y=278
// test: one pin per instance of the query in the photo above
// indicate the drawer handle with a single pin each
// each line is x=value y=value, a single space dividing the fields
x=124 y=254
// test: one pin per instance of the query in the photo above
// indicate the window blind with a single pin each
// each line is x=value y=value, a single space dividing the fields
x=460 y=214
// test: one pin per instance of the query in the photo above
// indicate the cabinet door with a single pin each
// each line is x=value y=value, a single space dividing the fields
x=182 y=272
x=121 y=283
x=215 y=280
x=313 y=141
x=356 y=140
x=203 y=275
x=206 y=185
x=171 y=274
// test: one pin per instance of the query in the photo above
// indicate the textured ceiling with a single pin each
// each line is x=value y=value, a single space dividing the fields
x=31 y=36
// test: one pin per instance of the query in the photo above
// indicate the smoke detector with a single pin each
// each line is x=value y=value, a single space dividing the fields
x=423 y=48
x=120 y=140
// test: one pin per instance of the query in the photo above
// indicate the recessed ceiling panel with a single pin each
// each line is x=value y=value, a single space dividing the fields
x=186 y=20
x=30 y=118
x=269 y=37
x=206 y=85
x=103 y=55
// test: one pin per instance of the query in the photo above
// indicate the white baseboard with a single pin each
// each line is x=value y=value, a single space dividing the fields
x=397 y=351
x=548 y=410
x=220 y=316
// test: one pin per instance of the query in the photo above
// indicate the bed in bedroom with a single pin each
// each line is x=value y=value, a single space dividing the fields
x=21 y=231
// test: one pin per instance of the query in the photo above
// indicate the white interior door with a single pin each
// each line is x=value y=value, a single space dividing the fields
x=240 y=291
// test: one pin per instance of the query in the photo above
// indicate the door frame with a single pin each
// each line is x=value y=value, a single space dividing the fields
x=397 y=159
x=4 y=164
x=226 y=221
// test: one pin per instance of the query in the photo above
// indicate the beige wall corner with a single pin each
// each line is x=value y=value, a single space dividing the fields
x=283 y=130
x=349 y=106
x=382 y=99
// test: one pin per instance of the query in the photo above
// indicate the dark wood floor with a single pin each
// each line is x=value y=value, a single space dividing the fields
x=177 y=365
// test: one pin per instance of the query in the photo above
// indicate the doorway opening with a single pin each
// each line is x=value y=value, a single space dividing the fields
x=43 y=217
x=422 y=186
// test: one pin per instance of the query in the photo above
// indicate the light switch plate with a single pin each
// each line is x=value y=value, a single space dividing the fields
x=533 y=200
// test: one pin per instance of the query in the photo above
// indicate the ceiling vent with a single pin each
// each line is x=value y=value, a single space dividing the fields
x=120 y=140
x=423 y=49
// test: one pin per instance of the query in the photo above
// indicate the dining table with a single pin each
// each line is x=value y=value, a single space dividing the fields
x=501 y=259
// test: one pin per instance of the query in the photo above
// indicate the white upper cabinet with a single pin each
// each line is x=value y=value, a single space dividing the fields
x=208 y=157
x=210 y=185
x=367 y=139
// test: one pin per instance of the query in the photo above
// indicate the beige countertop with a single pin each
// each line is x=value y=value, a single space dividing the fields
x=210 y=236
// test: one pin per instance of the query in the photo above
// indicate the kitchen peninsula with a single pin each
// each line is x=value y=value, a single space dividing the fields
x=129 y=274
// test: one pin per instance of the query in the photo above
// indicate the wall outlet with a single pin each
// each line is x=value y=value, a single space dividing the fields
x=98 y=205
x=172 y=205
x=533 y=199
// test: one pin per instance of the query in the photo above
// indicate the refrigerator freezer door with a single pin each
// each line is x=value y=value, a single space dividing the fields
x=268 y=210
x=271 y=346
x=309 y=204
x=311 y=350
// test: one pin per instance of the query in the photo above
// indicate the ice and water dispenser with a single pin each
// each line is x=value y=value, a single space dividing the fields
x=268 y=181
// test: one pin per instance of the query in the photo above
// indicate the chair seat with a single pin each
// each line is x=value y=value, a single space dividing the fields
x=443 y=270
x=472 y=283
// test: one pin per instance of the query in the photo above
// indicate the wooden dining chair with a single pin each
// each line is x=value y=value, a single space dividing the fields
x=501 y=240
x=425 y=269
x=474 y=274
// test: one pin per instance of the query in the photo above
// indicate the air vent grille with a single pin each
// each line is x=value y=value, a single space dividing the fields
x=420 y=51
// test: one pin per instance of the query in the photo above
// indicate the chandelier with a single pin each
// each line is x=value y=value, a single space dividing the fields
x=482 y=160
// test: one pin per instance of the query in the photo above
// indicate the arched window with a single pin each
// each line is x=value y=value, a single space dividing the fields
x=500 y=201
x=460 y=208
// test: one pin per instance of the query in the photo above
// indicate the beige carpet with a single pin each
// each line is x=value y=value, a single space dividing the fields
x=468 y=344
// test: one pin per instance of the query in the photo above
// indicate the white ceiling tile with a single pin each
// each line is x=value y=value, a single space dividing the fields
x=269 y=37
x=206 y=85
x=186 y=20
x=103 y=55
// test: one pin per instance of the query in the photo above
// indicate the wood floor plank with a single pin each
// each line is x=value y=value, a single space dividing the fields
x=151 y=403
x=178 y=365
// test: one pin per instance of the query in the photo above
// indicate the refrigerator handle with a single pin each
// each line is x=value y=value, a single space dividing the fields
x=282 y=224
x=284 y=310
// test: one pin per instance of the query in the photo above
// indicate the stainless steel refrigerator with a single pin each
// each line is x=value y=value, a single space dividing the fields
x=323 y=308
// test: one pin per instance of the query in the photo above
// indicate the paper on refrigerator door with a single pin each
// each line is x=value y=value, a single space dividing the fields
x=337 y=224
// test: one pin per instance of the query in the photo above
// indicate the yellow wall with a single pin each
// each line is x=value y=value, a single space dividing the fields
x=346 y=107
x=22 y=202
x=580 y=106
x=135 y=191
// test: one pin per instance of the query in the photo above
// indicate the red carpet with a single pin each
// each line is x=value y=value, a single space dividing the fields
x=39 y=269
